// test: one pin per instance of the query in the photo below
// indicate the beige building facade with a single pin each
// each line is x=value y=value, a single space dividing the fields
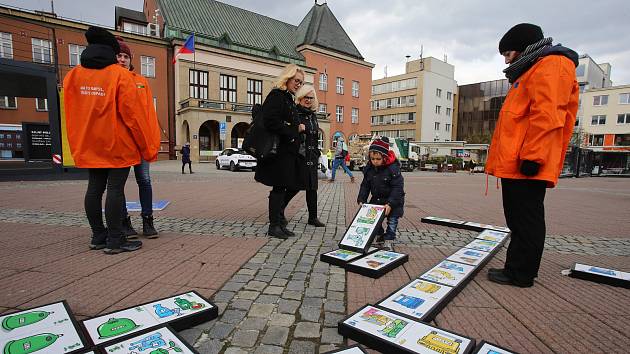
x=606 y=118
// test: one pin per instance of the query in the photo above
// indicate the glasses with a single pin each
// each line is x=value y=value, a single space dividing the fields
x=298 y=82
x=308 y=98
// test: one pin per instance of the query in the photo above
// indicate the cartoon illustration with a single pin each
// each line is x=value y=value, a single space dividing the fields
x=343 y=254
x=372 y=317
x=16 y=321
x=441 y=343
x=374 y=264
x=469 y=260
x=358 y=235
x=490 y=351
x=151 y=341
x=472 y=253
x=115 y=327
x=162 y=311
x=370 y=217
x=441 y=274
x=30 y=344
x=188 y=305
x=386 y=255
x=393 y=328
x=592 y=269
x=410 y=302
x=425 y=287
x=452 y=266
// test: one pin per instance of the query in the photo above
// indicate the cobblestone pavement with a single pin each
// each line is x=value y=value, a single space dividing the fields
x=277 y=297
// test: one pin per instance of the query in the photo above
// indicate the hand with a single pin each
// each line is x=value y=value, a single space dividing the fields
x=360 y=204
x=529 y=168
x=301 y=128
x=388 y=209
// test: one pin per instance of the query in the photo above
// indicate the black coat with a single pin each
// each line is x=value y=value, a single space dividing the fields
x=185 y=154
x=308 y=153
x=386 y=184
x=279 y=117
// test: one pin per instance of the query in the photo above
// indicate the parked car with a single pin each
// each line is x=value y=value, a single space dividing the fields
x=235 y=159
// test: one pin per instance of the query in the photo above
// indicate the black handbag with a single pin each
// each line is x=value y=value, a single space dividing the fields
x=258 y=141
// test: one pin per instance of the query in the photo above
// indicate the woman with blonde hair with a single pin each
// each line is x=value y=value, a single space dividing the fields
x=280 y=171
x=308 y=153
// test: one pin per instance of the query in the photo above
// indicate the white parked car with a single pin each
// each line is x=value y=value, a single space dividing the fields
x=235 y=159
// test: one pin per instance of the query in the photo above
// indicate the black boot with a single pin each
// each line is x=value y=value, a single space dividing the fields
x=282 y=219
x=128 y=229
x=99 y=241
x=148 y=229
x=286 y=231
x=315 y=222
x=120 y=244
x=275 y=230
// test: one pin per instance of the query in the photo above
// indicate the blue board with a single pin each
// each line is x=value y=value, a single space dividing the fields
x=159 y=205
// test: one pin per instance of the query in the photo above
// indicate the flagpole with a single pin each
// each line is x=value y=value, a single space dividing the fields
x=194 y=53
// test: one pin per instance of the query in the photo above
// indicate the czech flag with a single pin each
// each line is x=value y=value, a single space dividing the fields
x=189 y=47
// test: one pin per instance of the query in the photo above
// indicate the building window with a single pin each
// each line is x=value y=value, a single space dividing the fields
x=198 y=84
x=623 y=118
x=339 y=114
x=448 y=111
x=355 y=116
x=447 y=127
x=355 y=89
x=437 y=125
x=624 y=98
x=75 y=51
x=598 y=120
x=438 y=92
x=622 y=139
x=18 y=145
x=41 y=104
x=6 y=45
x=597 y=140
x=42 y=51
x=600 y=100
x=323 y=82
x=227 y=88
x=322 y=108
x=340 y=85
x=7 y=102
x=147 y=66
x=438 y=109
x=254 y=91
x=449 y=95
x=134 y=28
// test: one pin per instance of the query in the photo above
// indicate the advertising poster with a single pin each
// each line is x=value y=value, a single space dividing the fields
x=361 y=232
x=45 y=329
x=448 y=273
x=417 y=298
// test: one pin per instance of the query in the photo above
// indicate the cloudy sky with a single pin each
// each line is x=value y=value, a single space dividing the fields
x=467 y=31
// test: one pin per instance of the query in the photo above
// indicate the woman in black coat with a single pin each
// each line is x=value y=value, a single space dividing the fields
x=280 y=171
x=308 y=153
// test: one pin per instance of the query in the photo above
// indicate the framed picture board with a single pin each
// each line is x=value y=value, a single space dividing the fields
x=387 y=332
x=483 y=245
x=377 y=264
x=480 y=227
x=448 y=273
x=355 y=349
x=488 y=348
x=341 y=257
x=45 y=329
x=180 y=312
x=469 y=256
x=442 y=221
x=362 y=230
x=601 y=275
x=160 y=340
x=419 y=299
x=493 y=235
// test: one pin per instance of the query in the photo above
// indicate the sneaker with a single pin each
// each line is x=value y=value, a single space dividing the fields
x=126 y=246
x=98 y=241
x=128 y=229
x=148 y=229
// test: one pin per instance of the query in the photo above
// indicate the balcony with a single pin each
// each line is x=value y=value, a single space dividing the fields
x=192 y=103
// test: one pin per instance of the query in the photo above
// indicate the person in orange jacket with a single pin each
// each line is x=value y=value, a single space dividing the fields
x=141 y=171
x=107 y=132
x=529 y=143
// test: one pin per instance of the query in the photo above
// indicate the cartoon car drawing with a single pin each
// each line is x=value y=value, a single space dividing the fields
x=426 y=287
x=152 y=341
x=441 y=343
x=603 y=271
x=30 y=344
x=410 y=302
x=393 y=328
x=16 y=321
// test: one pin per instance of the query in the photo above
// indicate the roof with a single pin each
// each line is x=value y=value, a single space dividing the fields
x=321 y=28
x=121 y=12
x=232 y=25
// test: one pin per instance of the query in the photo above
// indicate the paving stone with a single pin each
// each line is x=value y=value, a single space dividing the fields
x=327 y=348
x=223 y=296
x=306 y=330
x=276 y=335
x=244 y=338
x=246 y=271
x=310 y=292
x=234 y=350
x=255 y=285
x=298 y=276
x=273 y=290
x=292 y=294
x=332 y=319
x=283 y=274
x=233 y=316
x=330 y=335
x=335 y=306
x=247 y=294
x=261 y=310
x=255 y=323
x=334 y=295
x=297 y=285
x=267 y=299
x=264 y=278
x=282 y=320
x=312 y=302
x=336 y=286
x=302 y=347
x=191 y=335
x=241 y=304
x=288 y=306
x=221 y=330
x=310 y=314
x=269 y=349
x=232 y=286
x=211 y=346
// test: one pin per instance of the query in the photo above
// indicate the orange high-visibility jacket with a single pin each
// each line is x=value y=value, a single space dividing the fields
x=536 y=121
x=146 y=99
x=106 y=122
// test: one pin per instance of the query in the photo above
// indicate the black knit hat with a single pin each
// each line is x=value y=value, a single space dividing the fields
x=98 y=35
x=519 y=37
x=379 y=146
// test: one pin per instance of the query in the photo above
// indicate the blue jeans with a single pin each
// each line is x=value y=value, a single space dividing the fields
x=145 y=191
x=392 y=225
x=342 y=163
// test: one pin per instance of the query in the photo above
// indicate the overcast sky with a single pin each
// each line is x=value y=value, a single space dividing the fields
x=467 y=31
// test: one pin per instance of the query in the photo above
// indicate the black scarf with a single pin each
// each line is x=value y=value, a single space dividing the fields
x=527 y=59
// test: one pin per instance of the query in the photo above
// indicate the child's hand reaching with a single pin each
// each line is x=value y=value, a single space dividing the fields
x=388 y=209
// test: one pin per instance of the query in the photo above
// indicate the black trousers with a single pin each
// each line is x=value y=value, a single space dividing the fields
x=112 y=179
x=524 y=209
x=276 y=204
x=311 y=201
x=189 y=166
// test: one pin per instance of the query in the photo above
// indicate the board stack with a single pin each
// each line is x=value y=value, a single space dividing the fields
x=355 y=252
